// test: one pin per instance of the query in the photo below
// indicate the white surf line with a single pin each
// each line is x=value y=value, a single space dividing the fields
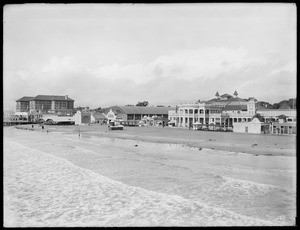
x=176 y=197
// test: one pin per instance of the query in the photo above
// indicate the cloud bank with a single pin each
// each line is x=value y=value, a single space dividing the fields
x=185 y=75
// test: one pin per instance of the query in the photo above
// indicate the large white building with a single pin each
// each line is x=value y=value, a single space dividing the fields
x=221 y=110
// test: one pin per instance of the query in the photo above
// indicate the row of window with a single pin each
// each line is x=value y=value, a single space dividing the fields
x=192 y=111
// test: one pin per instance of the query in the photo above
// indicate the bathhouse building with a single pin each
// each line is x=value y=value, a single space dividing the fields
x=221 y=110
x=137 y=113
x=283 y=121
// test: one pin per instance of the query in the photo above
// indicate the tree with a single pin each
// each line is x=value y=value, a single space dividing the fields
x=98 y=110
x=144 y=103
x=259 y=117
x=79 y=108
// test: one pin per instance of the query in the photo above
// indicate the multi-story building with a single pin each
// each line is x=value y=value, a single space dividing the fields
x=46 y=104
x=221 y=110
x=23 y=104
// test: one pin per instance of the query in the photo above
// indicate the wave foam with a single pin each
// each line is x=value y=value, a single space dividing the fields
x=45 y=190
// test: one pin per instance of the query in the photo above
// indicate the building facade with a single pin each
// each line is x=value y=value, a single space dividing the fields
x=23 y=104
x=221 y=110
x=137 y=113
x=46 y=104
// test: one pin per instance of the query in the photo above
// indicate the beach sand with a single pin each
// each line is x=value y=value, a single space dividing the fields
x=257 y=144
x=146 y=176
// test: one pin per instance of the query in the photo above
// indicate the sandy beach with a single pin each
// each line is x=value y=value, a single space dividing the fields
x=225 y=141
x=143 y=176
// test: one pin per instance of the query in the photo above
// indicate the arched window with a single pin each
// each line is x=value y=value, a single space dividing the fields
x=190 y=111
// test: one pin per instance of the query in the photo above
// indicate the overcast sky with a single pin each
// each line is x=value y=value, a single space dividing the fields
x=116 y=54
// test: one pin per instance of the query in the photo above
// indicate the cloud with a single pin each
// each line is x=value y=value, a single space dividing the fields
x=290 y=67
x=205 y=63
x=185 y=75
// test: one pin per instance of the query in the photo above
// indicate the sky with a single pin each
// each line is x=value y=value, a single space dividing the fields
x=102 y=55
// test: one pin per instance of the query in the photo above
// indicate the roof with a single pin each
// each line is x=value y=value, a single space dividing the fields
x=26 y=98
x=234 y=107
x=142 y=109
x=98 y=116
x=226 y=95
x=52 y=98
x=280 y=109
x=227 y=100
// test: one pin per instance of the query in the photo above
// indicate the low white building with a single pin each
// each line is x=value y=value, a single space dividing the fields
x=253 y=126
x=82 y=117
x=57 y=119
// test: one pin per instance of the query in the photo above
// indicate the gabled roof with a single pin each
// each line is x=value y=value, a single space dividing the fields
x=142 y=109
x=52 y=98
x=98 y=116
x=25 y=99
x=228 y=100
x=226 y=95
x=235 y=107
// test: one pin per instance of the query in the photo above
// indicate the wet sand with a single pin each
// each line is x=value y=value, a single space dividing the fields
x=257 y=144
x=48 y=175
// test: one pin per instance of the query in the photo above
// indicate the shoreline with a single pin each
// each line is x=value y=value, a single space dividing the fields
x=255 y=144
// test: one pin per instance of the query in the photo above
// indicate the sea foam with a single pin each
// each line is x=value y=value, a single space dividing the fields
x=44 y=190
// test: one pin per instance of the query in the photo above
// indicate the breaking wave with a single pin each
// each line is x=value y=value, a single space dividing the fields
x=44 y=190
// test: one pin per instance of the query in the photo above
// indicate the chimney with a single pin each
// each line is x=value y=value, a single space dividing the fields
x=66 y=97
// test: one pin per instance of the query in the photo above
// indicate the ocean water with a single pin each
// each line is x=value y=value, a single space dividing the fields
x=54 y=179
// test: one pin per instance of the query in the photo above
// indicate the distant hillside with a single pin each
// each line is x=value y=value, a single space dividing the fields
x=291 y=103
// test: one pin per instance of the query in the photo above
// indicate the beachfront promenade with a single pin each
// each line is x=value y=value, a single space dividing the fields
x=243 y=143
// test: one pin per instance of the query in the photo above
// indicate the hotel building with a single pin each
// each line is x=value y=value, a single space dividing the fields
x=46 y=104
x=221 y=110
